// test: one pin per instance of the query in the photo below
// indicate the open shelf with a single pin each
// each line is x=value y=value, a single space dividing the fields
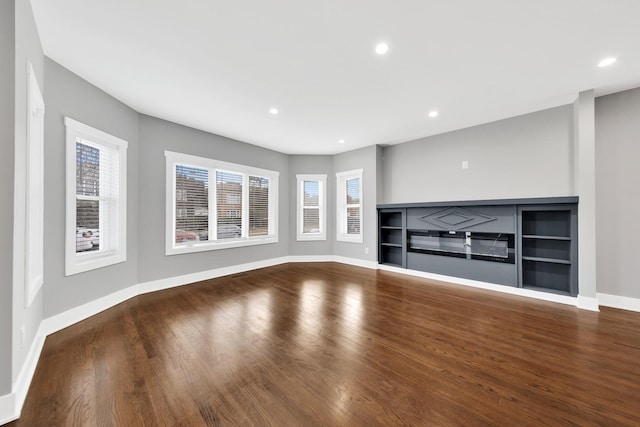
x=391 y=255
x=391 y=219
x=391 y=237
x=555 y=250
x=548 y=249
x=546 y=275
x=552 y=223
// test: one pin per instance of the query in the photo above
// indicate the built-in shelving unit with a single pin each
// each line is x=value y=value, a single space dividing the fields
x=544 y=229
x=391 y=236
x=548 y=248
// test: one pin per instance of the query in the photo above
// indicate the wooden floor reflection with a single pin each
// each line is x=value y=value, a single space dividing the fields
x=333 y=345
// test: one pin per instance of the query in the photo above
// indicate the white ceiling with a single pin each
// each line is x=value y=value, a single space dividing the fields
x=220 y=66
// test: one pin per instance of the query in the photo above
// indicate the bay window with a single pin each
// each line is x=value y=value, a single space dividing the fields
x=215 y=205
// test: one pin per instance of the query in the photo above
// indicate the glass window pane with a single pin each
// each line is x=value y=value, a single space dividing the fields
x=311 y=193
x=258 y=206
x=311 y=220
x=87 y=170
x=353 y=191
x=192 y=204
x=353 y=220
x=87 y=225
x=229 y=201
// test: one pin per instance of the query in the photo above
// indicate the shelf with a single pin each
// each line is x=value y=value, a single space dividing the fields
x=546 y=275
x=389 y=227
x=536 y=236
x=392 y=245
x=391 y=236
x=391 y=219
x=551 y=260
x=552 y=223
x=391 y=254
x=546 y=249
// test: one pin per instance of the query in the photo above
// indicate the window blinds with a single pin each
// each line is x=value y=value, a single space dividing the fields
x=258 y=206
x=97 y=194
x=229 y=204
x=353 y=206
x=192 y=204
x=311 y=207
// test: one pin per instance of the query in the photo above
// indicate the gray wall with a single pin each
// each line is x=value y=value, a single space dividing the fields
x=66 y=94
x=28 y=50
x=312 y=165
x=7 y=109
x=617 y=193
x=156 y=136
x=367 y=160
x=524 y=156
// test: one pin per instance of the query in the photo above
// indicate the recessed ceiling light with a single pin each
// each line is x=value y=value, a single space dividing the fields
x=273 y=111
x=382 y=48
x=433 y=114
x=341 y=141
x=606 y=62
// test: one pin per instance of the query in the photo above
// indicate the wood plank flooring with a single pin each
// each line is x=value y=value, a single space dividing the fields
x=326 y=344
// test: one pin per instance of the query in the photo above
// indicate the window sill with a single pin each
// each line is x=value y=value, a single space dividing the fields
x=87 y=262
x=311 y=237
x=213 y=246
x=349 y=238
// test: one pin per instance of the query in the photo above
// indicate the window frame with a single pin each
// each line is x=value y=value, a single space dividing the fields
x=212 y=165
x=322 y=206
x=341 y=206
x=81 y=262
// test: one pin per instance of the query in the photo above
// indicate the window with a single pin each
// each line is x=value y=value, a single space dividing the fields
x=349 y=193
x=312 y=201
x=96 y=198
x=215 y=205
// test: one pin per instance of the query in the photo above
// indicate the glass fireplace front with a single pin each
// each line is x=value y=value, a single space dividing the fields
x=496 y=247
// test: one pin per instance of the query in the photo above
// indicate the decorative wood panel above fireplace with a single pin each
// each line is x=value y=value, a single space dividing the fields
x=527 y=243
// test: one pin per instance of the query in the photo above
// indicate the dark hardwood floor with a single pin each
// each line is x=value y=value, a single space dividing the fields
x=333 y=345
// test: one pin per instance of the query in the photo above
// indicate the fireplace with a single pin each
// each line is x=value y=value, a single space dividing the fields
x=495 y=247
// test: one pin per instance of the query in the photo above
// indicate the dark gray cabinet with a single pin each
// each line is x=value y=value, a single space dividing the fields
x=548 y=248
x=392 y=237
x=426 y=236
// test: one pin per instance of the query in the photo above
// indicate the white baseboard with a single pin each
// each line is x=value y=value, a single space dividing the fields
x=357 y=262
x=334 y=258
x=172 y=282
x=21 y=386
x=588 y=303
x=615 y=301
x=311 y=258
x=562 y=299
x=67 y=318
x=8 y=411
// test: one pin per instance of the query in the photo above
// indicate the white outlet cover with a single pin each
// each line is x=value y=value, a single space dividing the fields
x=465 y=164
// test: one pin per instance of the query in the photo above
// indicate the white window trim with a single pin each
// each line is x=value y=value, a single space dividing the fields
x=322 y=208
x=34 y=229
x=173 y=159
x=78 y=263
x=341 y=207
